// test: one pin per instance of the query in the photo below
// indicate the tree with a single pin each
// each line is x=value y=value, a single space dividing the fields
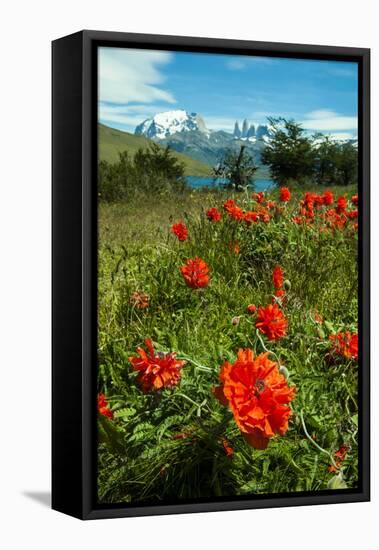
x=347 y=164
x=336 y=163
x=289 y=153
x=326 y=154
x=238 y=168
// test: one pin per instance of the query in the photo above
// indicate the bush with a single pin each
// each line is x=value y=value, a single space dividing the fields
x=154 y=170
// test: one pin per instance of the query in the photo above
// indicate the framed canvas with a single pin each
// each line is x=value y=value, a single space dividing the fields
x=210 y=275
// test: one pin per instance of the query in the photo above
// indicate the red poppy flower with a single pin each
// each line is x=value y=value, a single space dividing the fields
x=328 y=198
x=227 y=448
x=271 y=322
x=345 y=344
x=213 y=215
x=285 y=194
x=341 y=204
x=277 y=277
x=259 y=197
x=318 y=199
x=156 y=370
x=229 y=204
x=236 y=213
x=264 y=214
x=180 y=230
x=234 y=247
x=195 y=273
x=298 y=220
x=258 y=396
x=102 y=406
x=355 y=200
x=280 y=297
x=339 y=456
x=251 y=308
x=251 y=217
x=180 y=435
x=334 y=220
x=308 y=199
x=352 y=215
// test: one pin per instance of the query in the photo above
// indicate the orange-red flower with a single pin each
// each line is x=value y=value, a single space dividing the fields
x=234 y=247
x=341 y=204
x=264 y=214
x=233 y=210
x=251 y=217
x=352 y=215
x=271 y=322
x=180 y=435
x=281 y=296
x=195 y=273
x=345 y=344
x=259 y=197
x=285 y=194
x=229 y=205
x=328 y=198
x=236 y=213
x=355 y=200
x=140 y=300
x=213 y=215
x=251 y=308
x=180 y=230
x=102 y=406
x=156 y=370
x=227 y=448
x=339 y=456
x=258 y=396
x=317 y=317
x=277 y=277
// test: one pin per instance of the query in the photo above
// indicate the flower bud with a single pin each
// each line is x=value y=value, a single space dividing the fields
x=287 y=285
x=284 y=372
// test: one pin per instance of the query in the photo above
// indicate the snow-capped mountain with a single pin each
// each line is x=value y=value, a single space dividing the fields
x=250 y=132
x=166 y=124
x=187 y=133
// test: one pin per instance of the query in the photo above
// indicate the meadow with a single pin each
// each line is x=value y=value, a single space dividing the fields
x=186 y=281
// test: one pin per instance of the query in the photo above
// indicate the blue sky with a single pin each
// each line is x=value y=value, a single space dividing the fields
x=136 y=84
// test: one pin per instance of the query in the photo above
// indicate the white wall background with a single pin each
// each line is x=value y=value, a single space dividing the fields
x=26 y=31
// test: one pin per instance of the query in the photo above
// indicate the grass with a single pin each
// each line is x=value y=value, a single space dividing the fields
x=112 y=142
x=168 y=445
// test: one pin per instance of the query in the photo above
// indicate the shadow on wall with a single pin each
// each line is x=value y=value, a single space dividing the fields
x=41 y=497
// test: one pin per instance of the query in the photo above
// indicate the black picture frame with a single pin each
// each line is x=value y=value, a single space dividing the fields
x=74 y=326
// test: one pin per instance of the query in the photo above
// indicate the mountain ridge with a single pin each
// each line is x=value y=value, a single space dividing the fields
x=111 y=142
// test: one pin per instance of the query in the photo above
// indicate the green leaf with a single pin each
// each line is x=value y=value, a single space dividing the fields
x=337 y=482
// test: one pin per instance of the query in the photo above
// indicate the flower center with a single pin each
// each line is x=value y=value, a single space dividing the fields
x=259 y=387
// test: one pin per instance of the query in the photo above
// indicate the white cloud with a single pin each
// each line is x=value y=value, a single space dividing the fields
x=219 y=123
x=343 y=135
x=244 y=62
x=121 y=116
x=236 y=64
x=127 y=75
x=326 y=120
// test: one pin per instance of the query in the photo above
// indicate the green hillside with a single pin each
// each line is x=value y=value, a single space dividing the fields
x=112 y=141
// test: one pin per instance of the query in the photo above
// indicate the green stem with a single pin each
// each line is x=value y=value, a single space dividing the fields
x=265 y=348
x=314 y=442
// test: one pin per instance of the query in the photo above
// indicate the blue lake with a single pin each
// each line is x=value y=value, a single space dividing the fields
x=199 y=181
